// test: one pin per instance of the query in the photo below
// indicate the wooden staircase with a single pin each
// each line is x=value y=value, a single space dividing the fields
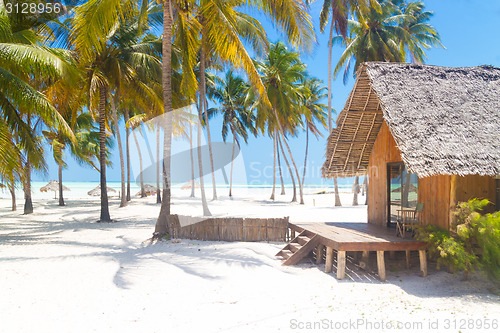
x=298 y=248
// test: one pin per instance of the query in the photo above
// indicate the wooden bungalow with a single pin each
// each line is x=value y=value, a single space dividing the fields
x=423 y=134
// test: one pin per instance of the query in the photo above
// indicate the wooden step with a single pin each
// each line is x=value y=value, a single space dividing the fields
x=294 y=247
x=286 y=254
x=303 y=239
x=303 y=251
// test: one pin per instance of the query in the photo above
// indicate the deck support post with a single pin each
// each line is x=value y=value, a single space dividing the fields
x=365 y=256
x=381 y=265
x=407 y=259
x=329 y=259
x=292 y=234
x=340 y=265
x=319 y=254
x=423 y=263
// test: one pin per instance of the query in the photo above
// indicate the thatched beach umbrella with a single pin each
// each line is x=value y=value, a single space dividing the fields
x=187 y=186
x=97 y=191
x=53 y=185
x=148 y=189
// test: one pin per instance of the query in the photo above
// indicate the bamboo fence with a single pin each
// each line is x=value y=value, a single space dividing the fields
x=232 y=229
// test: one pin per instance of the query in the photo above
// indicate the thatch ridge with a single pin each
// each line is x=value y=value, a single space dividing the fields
x=444 y=120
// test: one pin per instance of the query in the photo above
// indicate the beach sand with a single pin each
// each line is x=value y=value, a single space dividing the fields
x=62 y=272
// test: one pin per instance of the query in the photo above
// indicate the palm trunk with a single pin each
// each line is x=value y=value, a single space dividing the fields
x=163 y=226
x=123 y=198
x=330 y=48
x=203 y=100
x=28 y=203
x=280 y=171
x=305 y=158
x=192 y=160
x=337 y=195
x=274 y=166
x=61 y=197
x=158 y=195
x=206 y=211
x=366 y=189
x=355 y=191
x=294 y=198
x=127 y=147
x=232 y=159
x=12 y=190
x=281 y=131
x=102 y=155
x=141 y=177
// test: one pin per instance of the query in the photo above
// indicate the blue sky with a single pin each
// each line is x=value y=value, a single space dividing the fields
x=469 y=30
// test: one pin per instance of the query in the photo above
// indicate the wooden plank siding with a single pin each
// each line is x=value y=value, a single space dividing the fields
x=476 y=186
x=433 y=192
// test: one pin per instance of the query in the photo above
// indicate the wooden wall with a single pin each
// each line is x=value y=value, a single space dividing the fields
x=475 y=186
x=384 y=151
x=433 y=191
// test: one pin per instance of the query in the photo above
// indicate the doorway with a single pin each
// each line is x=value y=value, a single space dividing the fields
x=402 y=191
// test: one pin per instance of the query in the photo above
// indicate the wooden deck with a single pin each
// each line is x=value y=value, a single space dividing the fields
x=363 y=237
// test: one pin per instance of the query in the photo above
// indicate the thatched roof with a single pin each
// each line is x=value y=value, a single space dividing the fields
x=97 y=191
x=444 y=120
x=148 y=189
x=187 y=185
x=53 y=186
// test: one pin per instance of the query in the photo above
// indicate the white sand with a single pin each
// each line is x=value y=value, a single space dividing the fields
x=61 y=272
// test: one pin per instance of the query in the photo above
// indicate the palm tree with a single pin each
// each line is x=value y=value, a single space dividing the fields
x=312 y=92
x=106 y=37
x=290 y=15
x=237 y=118
x=26 y=66
x=339 y=11
x=282 y=71
x=385 y=35
x=419 y=34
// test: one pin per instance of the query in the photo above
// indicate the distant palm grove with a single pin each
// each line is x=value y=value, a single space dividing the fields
x=67 y=79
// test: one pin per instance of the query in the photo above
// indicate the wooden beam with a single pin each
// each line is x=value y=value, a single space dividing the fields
x=365 y=257
x=343 y=120
x=381 y=265
x=423 y=263
x=407 y=259
x=367 y=137
x=453 y=199
x=353 y=137
x=329 y=259
x=319 y=253
x=340 y=265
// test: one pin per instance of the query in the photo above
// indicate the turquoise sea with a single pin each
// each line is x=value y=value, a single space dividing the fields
x=80 y=189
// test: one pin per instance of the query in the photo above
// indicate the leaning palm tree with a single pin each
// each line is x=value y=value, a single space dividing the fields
x=237 y=118
x=290 y=15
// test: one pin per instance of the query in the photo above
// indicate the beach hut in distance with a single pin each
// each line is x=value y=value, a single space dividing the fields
x=423 y=134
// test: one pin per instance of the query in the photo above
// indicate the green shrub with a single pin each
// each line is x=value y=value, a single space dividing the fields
x=472 y=242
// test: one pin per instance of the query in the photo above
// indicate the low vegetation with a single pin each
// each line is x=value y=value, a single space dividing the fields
x=471 y=243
